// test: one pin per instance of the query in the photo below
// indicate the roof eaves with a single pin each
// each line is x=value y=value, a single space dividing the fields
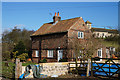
x=49 y=33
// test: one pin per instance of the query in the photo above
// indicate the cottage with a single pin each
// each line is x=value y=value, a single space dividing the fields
x=51 y=40
x=102 y=32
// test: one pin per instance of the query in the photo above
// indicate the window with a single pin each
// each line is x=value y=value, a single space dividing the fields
x=50 y=53
x=107 y=51
x=97 y=34
x=100 y=53
x=80 y=34
x=103 y=34
x=36 y=53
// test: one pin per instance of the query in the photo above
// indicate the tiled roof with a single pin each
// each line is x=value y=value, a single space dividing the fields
x=88 y=22
x=60 y=26
x=105 y=30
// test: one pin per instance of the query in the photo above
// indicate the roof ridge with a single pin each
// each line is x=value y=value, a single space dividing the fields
x=104 y=28
x=63 y=20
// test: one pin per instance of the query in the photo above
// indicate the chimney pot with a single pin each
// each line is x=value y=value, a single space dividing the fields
x=58 y=14
x=56 y=18
x=55 y=13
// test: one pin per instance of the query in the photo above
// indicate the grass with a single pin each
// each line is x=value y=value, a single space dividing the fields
x=110 y=43
x=8 y=71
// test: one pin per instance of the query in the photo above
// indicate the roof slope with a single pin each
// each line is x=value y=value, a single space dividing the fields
x=105 y=30
x=60 y=26
x=88 y=22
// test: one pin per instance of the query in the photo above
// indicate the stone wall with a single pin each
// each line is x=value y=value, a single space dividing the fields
x=50 y=69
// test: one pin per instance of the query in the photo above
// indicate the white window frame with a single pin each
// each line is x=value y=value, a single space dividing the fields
x=99 y=50
x=50 y=53
x=36 y=53
x=80 y=34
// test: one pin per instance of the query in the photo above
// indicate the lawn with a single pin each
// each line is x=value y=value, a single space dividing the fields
x=110 y=43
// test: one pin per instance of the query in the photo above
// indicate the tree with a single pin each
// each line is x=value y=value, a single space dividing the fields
x=12 y=37
x=20 y=47
x=85 y=48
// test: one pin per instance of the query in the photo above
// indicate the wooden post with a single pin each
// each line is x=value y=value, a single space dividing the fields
x=18 y=68
x=88 y=67
x=91 y=68
x=119 y=73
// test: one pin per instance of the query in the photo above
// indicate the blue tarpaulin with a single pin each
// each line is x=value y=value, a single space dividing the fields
x=105 y=69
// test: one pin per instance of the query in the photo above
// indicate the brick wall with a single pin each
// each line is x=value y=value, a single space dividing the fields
x=49 y=42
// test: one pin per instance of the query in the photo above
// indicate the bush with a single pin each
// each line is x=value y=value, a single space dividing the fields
x=63 y=60
x=8 y=71
x=43 y=61
x=23 y=56
x=28 y=63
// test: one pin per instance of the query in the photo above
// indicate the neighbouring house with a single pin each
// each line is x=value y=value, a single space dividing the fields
x=51 y=40
x=102 y=32
x=105 y=52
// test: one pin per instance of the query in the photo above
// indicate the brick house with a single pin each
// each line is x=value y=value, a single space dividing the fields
x=51 y=40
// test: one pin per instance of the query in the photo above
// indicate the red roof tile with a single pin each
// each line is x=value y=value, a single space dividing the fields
x=60 y=26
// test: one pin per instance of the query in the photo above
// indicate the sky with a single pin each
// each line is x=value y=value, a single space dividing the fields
x=32 y=15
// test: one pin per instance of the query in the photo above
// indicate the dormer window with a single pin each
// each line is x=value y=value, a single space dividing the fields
x=80 y=34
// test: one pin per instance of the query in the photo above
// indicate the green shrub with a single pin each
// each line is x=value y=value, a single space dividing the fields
x=23 y=56
x=28 y=63
x=63 y=60
x=43 y=61
x=8 y=71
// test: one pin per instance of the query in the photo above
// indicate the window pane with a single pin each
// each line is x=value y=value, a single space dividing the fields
x=37 y=53
x=78 y=34
x=50 y=53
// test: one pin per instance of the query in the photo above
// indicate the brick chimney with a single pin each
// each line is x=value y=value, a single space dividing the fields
x=56 y=18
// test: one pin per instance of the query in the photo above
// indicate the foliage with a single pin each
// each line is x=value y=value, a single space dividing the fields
x=20 y=47
x=6 y=55
x=8 y=71
x=12 y=37
x=14 y=54
x=112 y=38
x=43 y=61
x=84 y=48
x=23 y=56
x=28 y=63
x=63 y=60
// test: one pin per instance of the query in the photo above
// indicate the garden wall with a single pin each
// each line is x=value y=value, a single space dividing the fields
x=50 y=69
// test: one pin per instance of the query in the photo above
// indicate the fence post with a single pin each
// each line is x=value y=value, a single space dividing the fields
x=91 y=68
x=88 y=67
x=119 y=73
x=18 y=68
